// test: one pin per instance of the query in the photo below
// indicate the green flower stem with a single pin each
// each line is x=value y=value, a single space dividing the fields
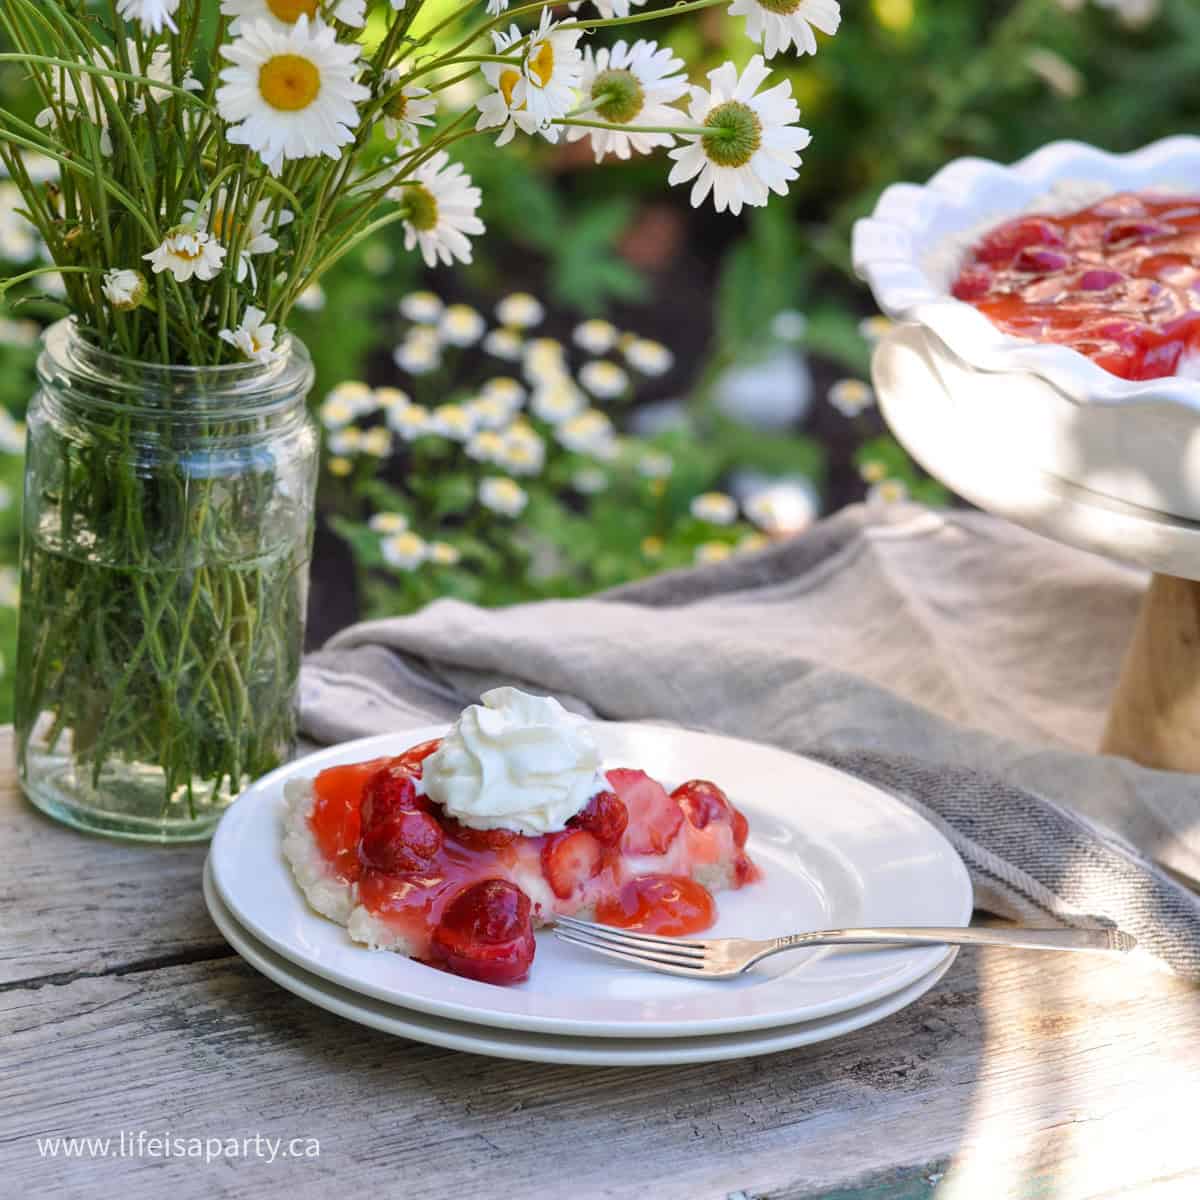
x=684 y=130
x=49 y=60
x=51 y=269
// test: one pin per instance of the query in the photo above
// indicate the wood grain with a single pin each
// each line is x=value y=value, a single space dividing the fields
x=1018 y=1076
x=1155 y=714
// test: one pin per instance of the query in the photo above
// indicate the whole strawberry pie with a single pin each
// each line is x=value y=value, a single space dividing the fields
x=455 y=851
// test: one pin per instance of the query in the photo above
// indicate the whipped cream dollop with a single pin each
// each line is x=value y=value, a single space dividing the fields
x=517 y=762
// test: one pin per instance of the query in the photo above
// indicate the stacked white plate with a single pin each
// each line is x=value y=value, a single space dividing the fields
x=835 y=853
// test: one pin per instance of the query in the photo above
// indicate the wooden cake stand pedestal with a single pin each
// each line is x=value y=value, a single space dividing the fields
x=1155 y=714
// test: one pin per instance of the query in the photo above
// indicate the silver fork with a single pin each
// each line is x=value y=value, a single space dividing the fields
x=722 y=958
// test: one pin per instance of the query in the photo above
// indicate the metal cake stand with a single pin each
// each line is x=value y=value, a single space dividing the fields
x=1154 y=718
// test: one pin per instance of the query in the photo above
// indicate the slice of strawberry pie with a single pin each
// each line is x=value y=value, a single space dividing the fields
x=456 y=850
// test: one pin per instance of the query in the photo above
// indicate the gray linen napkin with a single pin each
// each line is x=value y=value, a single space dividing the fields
x=957 y=661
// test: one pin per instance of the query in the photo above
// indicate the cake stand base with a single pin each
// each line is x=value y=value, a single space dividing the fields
x=1155 y=714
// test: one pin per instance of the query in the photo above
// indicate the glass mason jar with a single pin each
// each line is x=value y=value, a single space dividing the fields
x=166 y=539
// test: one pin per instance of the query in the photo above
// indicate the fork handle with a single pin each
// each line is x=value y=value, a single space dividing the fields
x=1112 y=941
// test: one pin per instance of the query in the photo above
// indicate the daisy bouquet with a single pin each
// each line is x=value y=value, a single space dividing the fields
x=214 y=158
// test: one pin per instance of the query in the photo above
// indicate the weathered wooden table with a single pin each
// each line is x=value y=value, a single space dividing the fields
x=122 y=1011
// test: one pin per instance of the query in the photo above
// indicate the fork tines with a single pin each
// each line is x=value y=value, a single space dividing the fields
x=670 y=954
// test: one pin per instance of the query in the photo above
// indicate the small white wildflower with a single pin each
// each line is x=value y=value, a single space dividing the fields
x=377 y=442
x=714 y=508
x=783 y=508
x=345 y=442
x=124 y=289
x=648 y=357
x=443 y=554
x=503 y=496
x=557 y=401
x=713 y=552
x=388 y=398
x=423 y=307
x=655 y=465
x=410 y=421
x=589 y=433
x=311 y=298
x=520 y=310
x=490 y=412
x=254 y=337
x=404 y=551
x=461 y=325
x=605 y=380
x=187 y=253
x=388 y=523
x=486 y=446
x=589 y=481
x=420 y=352
x=405 y=110
x=505 y=391
x=506 y=344
x=454 y=421
x=524 y=453
x=544 y=359
x=595 y=336
x=888 y=491
x=851 y=397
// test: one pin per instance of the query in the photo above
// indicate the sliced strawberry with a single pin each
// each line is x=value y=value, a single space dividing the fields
x=478 y=839
x=605 y=818
x=570 y=859
x=973 y=282
x=414 y=756
x=702 y=802
x=654 y=818
x=1137 y=231
x=388 y=793
x=741 y=828
x=671 y=905
x=486 y=933
x=1038 y=260
x=1003 y=244
x=407 y=841
x=744 y=871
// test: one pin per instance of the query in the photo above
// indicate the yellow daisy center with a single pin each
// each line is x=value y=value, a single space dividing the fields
x=541 y=63
x=422 y=207
x=289 y=82
x=508 y=81
x=290 y=11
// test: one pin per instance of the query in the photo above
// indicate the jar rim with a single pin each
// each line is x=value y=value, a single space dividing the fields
x=70 y=359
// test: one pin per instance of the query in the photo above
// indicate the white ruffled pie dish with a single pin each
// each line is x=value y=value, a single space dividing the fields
x=1133 y=441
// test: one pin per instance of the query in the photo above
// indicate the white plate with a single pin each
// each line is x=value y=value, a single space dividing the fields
x=544 y=1047
x=835 y=852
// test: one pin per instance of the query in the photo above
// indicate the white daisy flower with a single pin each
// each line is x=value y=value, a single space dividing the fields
x=410 y=421
x=506 y=344
x=387 y=398
x=552 y=68
x=461 y=325
x=713 y=552
x=714 y=508
x=490 y=413
x=290 y=94
x=422 y=307
x=590 y=481
x=605 y=380
x=647 y=356
x=80 y=96
x=630 y=86
x=377 y=442
x=223 y=223
x=595 y=336
x=851 y=397
x=253 y=337
x=311 y=298
x=152 y=15
x=486 y=446
x=655 y=465
x=443 y=554
x=336 y=412
x=589 y=433
x=557 y=400
x=349 y=12
x=776 y=24
x=504 y=106
x=420 y=352
x=783 y=508
x=345 y=441
x=505 y=391
x=187 y=253
x=888 y=491
x=755 y=146
x=340 y=467
x=545 y=360
x=354 y=393
x=520 y=310
x=405 y=551
x=452 y=421
x=278 y=14
x=524 y=453
x=387 y=522
x=608 y=8
x=441 y=206
x=503 y=496
x=873 y=329
x=405 y=109
x=124 y=289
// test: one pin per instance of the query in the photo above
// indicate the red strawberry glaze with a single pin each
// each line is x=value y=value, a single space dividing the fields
x=1118 y=281
x=420 y=873
x=668 y=904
